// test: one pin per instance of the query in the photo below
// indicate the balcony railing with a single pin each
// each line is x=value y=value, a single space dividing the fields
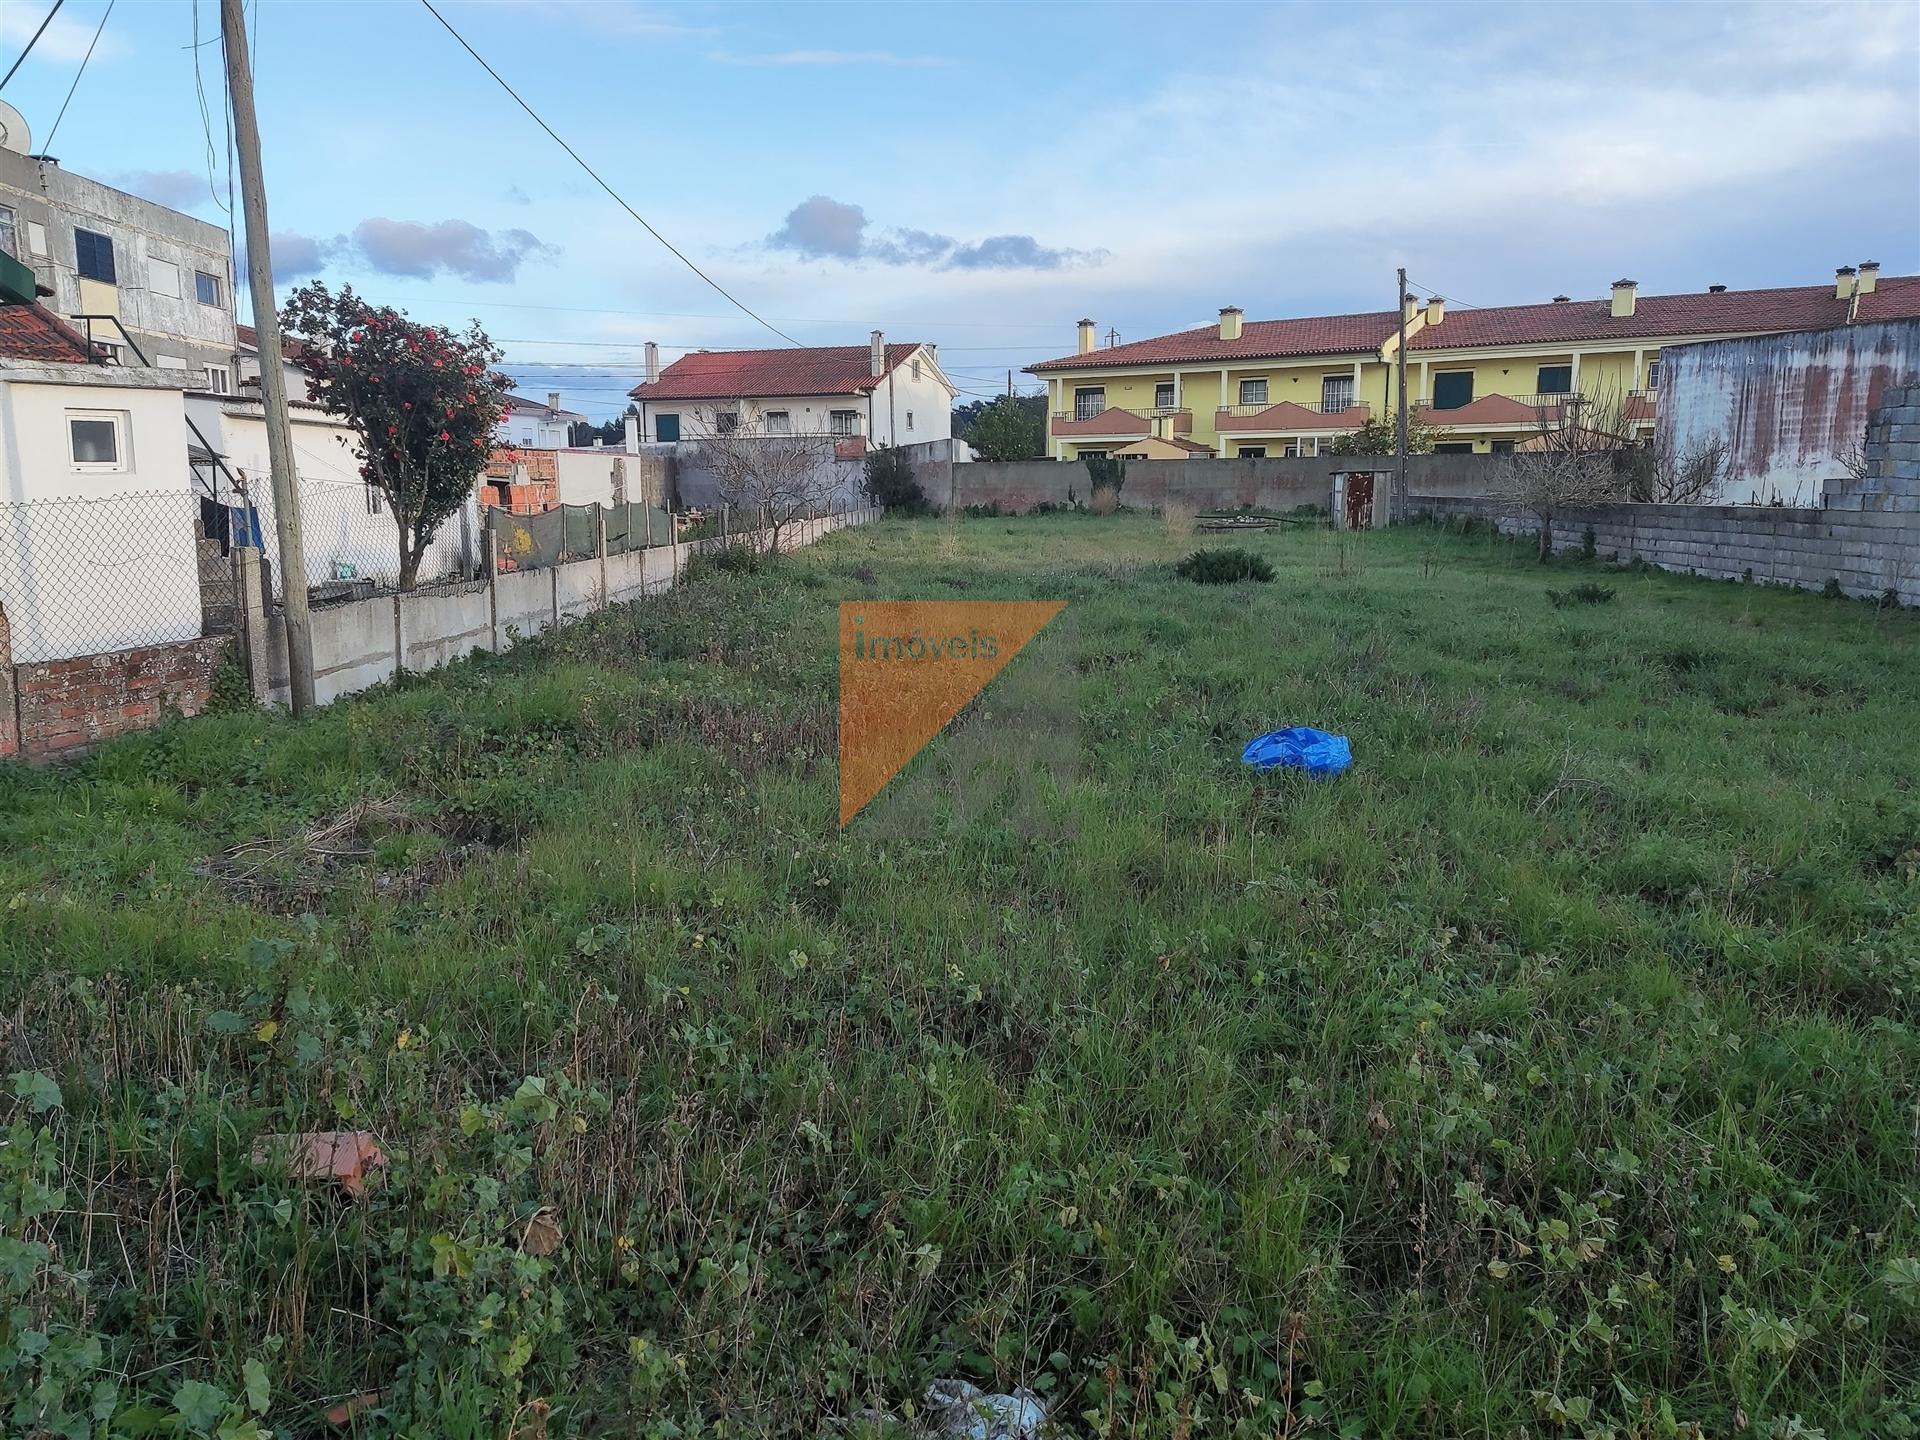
x=1121 y=420
x=1286 y=416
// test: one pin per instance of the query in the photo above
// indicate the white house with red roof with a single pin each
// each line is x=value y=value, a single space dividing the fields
x=1488 y=377
x=878 y=394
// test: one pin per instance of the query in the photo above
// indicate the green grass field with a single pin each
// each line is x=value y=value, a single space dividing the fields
x=1553 y=1072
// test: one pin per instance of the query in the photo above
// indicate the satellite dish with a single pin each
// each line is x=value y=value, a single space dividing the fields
x=13 y=131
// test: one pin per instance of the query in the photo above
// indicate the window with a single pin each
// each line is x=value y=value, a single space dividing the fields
x=9 y=240
x=1653 y=373
x=1452 y=389
x=666 y=427
x=1093 y=454
x=1089 y=401
x=1501 y=447
x=207 y=288
x=1554 y=380
x=843 y=422
x=373 y=498
x=94 y=439
x=779 y=422
x=909 y=419
x=1253 y=452
x=725 y=422
x=93 y=256
x=109 y=352
x=1291 y=450
x=218 y=381
x=171 y=362
x=1253 y=392
x=36 y=238
x=916 y=369
x=1453 y=447
x=1163 y=395
x=1336 y=393
x=163 y=278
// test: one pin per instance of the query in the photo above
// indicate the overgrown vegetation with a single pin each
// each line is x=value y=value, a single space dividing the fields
x=1224 y=565
x=890 y=483
x=1552 y=1072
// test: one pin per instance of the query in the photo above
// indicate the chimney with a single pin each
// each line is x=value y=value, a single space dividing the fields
x=1409 y=306
x=1084 y=344
x=1869 y=276
x=653 y=362
x=1230 y=316
x=1716 y=289
x=1843 y=283
x=553 y=399
x=1436 y=309
x=1625 y=292
x=1563 y=299
x=633 y=434
x=877 y=354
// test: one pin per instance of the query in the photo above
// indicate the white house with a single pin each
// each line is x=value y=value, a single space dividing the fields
x=99 y=526
x=534 y=426
x=877 y=394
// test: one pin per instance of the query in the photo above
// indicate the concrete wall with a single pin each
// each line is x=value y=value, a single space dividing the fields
x=1866 y=536
x=355 y=644
x=1268 y=484
x=1788 y=406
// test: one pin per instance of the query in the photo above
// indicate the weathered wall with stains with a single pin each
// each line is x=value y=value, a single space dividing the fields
x=1789 y=406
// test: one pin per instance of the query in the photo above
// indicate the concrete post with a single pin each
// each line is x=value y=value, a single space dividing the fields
x=250 y=612
x=600 y=548
x=491 y=559
x=673 y=544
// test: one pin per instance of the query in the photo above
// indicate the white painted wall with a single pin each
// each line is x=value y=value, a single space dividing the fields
x=883 y=418
x=587 y=477
x=91 y=560
x=533 y=430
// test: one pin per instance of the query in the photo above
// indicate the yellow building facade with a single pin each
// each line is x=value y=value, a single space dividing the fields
x=1488 y=378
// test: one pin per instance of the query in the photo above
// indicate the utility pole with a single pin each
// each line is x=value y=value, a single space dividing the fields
x=1400 y=398
x=1009 y=384
x=273 y=377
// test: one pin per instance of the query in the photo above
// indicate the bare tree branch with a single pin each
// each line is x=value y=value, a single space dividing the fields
x=1574 y=457
x=780 y=477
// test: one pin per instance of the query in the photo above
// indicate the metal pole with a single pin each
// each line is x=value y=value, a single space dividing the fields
x=1400 y=417
x=273 y=378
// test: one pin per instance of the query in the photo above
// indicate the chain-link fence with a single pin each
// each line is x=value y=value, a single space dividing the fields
x=348 y=534
x=89 y=576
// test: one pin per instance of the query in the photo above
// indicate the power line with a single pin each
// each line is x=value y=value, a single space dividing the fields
x=32 y=42
x=720 y=289
x=465 y=301
x=47 y=144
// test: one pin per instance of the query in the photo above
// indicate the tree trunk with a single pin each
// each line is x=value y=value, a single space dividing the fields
x=1546 y=538
x=409 y=557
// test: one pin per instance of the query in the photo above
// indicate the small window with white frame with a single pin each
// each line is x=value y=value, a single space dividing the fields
x=1653 y=373
x=9 y=235
x=779 y=422
x=208 y=289
x=97 y=439
x=163 y=277
x=916 y=368
x=909 y=419
x=219 y=381
x=1253 y=392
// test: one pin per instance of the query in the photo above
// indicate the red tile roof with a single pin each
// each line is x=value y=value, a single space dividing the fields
x=747 y=374
x=30 y=331
x=290 y=350
x=1259 y=340
x=1655 y=317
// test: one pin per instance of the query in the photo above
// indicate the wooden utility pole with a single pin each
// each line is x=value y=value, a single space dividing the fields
x=273 y=377
x=1400 y=398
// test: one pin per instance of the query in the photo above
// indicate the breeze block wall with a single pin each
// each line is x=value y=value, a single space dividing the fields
x=1866 y=536
x=67 y=706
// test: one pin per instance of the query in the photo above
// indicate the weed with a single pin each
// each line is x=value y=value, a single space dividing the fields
x=1585 y=593
x=1227 y=565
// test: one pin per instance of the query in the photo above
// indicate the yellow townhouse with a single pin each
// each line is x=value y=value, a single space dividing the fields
x=1487 y=376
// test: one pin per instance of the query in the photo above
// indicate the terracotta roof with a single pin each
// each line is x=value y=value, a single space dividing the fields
x=1259 y=340
x=522 y=405
x=30 y=331
x=1655 y=317
x=747 y=374
x=290 y=350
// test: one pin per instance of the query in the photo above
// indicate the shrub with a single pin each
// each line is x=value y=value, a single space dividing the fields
x=1583 y=594
x=1105 y=501
x=890 y=483
x=1106 y=473
x=1224 y=567
x=728 y=560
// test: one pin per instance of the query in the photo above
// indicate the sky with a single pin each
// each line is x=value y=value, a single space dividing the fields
x=980 y=176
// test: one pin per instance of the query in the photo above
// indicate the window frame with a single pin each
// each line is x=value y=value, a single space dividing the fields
x=1247 y=388
x=1453 y=447
x=9 y=231
x=663 y=421
x=112 y=277
x=1653 y=373
x=1251 y=452
x=726 y=422
x=1350 y=390
x=116 y=420
x=1440 y=375
x=1500 y=447
x=1172 y=402
x=1540 y=380
x=213 y=283
x=779 y=422
x=224 y=386
x=843 y=424
x=909 y=419
x=155 y=266
x=1081 y=395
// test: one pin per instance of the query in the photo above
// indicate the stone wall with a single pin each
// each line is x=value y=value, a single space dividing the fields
x=1273 y=483
x=1866 y=536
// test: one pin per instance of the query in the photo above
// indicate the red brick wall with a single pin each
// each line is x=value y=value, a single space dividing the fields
x=65 y=706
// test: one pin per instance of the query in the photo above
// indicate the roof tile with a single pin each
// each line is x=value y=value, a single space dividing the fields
x=750 y=374
x=30 y=331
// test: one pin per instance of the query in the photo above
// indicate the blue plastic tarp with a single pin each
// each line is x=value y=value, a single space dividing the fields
x=1300 y=748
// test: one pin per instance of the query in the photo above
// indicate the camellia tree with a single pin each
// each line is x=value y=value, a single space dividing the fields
x=423 y=399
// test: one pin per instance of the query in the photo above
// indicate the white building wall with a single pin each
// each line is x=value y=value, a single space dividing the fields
x=533 y=431
x=882 y=417
x=93 y=561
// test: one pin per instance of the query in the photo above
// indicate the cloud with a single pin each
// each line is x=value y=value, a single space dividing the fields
x=516 y=196
x=296 y=256
x=828 y=57
x=65 y=40
x=457 y=247
x=822 y=228
x=176 y=189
